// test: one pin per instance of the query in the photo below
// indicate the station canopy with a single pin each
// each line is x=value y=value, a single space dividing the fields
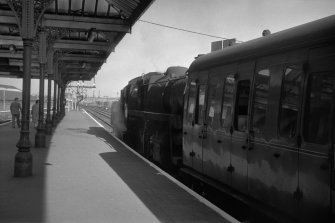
x=81 y=34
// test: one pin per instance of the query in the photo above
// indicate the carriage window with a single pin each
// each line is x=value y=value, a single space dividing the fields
x=260 y=100
x=214 y=98
x=191 y=102
x=318 y=110
x=200 y=106
x=241 y=110
x=290 y=96
x=228 y=94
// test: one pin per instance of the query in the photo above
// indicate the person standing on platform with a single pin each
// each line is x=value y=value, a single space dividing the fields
x=15 y=110
x=34 y=113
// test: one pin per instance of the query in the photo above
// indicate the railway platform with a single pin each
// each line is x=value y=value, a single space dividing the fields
x=87 y=175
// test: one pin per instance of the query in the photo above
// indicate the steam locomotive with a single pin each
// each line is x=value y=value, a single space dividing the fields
x=152 y=106
x=257 y=117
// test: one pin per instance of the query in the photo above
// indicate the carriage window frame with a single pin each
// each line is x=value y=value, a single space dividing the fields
x=214 y=100
x=227 y=122
x=311 y=134
x=258 y=125
x=292 y=124
x=190 y=114
x=237 y=107
x=200 y=107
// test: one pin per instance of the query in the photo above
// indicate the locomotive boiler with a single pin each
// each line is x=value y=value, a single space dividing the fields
x=152 y=106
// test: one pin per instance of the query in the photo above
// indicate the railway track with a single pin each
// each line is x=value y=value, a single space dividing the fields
x=101 y=114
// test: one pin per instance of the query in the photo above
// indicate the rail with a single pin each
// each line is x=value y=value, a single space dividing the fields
x=100 y=113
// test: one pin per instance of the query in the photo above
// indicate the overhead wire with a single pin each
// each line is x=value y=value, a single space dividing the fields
x=185 y=30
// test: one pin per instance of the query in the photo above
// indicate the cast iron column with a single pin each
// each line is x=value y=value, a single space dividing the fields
x=62 y=102
x=58 y=101
x=23 y=158
x=48 y=125
x=40 y=134
x=48 y=122
x=54 y=117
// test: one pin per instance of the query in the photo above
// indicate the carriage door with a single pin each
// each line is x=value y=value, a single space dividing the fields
x=214 y=160
x=194 y=128
x=240 y=143
x=315 y=166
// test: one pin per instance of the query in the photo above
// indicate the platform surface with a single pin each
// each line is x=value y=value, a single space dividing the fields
x=86 y=175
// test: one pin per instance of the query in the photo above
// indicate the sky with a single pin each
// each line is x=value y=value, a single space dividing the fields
x=154 y=48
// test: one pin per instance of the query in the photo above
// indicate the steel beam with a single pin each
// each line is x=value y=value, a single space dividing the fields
x=17 y=55
x=18 y=62
x=18 y=74
x=7 y=17
x=81 y=45
x=11 y=40
x=85 y=23
x=86 y=58
x=80 y=70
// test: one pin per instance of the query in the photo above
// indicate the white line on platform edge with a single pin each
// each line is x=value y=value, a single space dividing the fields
x=93 y=119
x=200 y=198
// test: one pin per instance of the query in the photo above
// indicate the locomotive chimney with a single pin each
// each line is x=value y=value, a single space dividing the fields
x=266 y=32
x=199 y=55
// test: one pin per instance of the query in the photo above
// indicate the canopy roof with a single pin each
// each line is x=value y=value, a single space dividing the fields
x=80 y=33
x=4 y=87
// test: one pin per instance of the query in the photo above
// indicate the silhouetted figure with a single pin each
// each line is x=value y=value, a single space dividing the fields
x=34 y=113
x=15 y=110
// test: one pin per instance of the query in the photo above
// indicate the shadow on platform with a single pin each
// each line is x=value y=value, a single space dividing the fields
x=21 y=199
x=167 y=201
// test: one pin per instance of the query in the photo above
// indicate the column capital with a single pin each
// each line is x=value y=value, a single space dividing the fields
x=54 y=34
x=28 y=13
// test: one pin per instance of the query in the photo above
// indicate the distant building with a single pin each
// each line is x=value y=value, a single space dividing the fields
x=8 y=94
